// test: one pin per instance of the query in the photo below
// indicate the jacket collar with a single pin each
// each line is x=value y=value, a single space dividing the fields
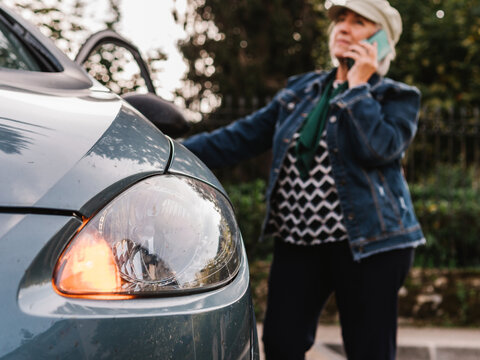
x=316 y=86
x=374 y=79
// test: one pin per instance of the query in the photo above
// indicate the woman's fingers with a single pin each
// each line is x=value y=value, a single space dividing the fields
x=363 y=49
x=365 y=57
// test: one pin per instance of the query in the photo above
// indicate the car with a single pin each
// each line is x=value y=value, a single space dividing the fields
x=115 y=241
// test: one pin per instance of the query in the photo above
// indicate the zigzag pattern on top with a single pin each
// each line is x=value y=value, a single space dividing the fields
x=307 y=212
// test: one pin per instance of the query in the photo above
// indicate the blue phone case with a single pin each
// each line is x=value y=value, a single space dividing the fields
x=383 y=47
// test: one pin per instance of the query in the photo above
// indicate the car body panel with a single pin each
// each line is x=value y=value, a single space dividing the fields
x=19 y=246
x=69 y=78
x=91 y=132
x=130 y=150
x=36 y=320
x=90 y=173
x=68 y=147
x=186 y=163
x=32 y=129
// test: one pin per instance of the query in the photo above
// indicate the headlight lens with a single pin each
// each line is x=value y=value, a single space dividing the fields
x=166 y=234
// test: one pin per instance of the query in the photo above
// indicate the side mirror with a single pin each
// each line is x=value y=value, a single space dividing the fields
x=163 y=114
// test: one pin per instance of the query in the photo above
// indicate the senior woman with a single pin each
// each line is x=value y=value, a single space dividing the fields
x=338 y=205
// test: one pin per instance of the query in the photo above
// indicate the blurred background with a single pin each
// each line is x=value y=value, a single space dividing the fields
x=221 y=60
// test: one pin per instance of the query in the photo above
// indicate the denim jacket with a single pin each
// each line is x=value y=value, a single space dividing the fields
x=369 y=127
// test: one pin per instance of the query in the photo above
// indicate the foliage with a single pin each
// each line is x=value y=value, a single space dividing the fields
x=64 y=21
x=441 y=297
x=248 y=47
x=70 y=22
x=447 y=205
x=249 y=205
x=116 y=68
x=429 y=297
x=438 y=48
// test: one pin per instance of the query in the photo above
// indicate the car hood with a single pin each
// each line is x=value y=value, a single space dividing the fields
x=73 y=152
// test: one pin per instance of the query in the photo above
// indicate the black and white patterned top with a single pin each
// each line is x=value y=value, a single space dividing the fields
x=306 y=212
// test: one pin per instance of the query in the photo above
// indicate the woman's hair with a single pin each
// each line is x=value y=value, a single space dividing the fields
x=383 y=65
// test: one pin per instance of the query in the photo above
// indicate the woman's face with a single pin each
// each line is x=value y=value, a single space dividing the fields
x=349 y=28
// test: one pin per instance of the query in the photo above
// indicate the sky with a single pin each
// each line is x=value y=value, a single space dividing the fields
x=149 y=24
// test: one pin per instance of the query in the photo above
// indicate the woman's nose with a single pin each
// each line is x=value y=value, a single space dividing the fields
x=344 y=27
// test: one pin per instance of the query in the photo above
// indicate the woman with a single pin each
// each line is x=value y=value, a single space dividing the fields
x=337 y=202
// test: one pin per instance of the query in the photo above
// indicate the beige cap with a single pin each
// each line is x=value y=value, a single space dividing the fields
x=378 y=11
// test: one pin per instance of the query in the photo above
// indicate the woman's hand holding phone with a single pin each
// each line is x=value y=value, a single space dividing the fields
x=365 y=56
x=365 y=64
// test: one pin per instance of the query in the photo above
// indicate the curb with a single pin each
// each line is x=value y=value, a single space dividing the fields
x=417 y=343
x=405 y=352
x=413 y=344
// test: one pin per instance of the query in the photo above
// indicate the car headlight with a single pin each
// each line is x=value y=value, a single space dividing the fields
x=166 y=234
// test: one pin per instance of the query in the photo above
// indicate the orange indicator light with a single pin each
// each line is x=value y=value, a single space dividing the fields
x=87 y=269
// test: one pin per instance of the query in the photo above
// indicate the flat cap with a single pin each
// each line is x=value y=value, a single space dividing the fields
x=378 y=11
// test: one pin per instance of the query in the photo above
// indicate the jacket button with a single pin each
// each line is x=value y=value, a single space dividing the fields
x=335 y=150
x=333 y=119
x=291 y=106
x=351 y=216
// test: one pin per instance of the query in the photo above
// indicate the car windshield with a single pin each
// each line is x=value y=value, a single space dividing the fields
x=13 y=53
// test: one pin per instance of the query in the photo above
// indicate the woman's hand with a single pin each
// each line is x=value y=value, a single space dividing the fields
x=366 y=64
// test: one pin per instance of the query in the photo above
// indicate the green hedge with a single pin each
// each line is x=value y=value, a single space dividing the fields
x=249 y=203
x=447 y=206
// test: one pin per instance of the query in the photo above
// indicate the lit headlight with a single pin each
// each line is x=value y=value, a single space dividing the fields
x=165 y=234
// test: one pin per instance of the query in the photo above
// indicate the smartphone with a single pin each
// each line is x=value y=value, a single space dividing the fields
x=383 y=46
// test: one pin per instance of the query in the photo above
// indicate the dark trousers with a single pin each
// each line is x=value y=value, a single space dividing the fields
x=303 y=278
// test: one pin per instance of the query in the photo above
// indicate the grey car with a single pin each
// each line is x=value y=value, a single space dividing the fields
x=115 y=241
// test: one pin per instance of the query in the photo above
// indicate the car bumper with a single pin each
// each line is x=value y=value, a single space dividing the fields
x=39 y=323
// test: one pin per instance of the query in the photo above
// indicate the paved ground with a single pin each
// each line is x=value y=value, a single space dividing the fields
x=413 y=344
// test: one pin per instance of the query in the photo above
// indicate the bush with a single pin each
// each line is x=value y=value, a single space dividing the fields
x=448 y=207
x=446 y=203
x=441 y=297
x=248 y=200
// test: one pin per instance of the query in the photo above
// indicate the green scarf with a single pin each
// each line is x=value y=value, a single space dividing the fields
x=312 y=129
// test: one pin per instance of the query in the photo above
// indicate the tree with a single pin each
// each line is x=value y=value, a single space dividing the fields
x=65 y=21
x=248 y=47
x=438 y=50
x=70 y=22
